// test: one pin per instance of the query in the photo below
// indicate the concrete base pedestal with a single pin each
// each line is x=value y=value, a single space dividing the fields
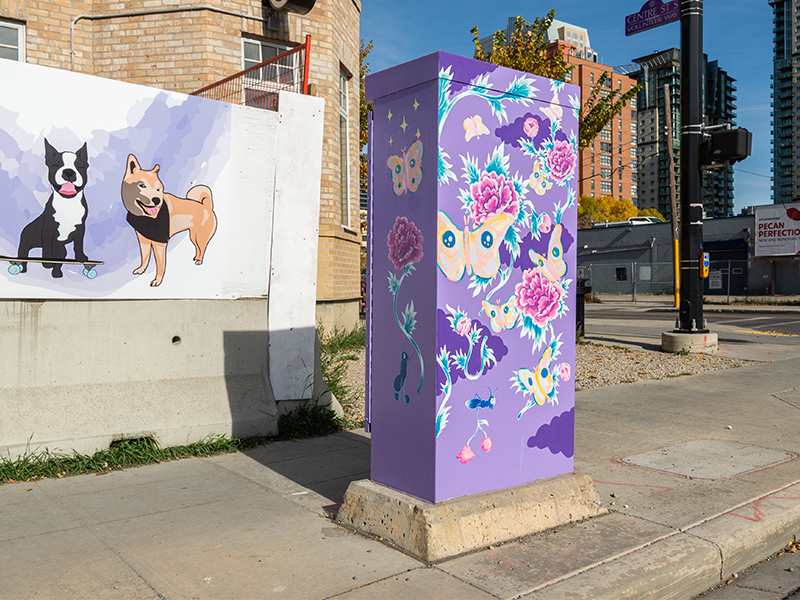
x=678 y=341
x=434 y=532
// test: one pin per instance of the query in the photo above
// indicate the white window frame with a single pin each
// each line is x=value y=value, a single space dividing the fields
x=344 y=147
x=255 y=81
x=20 y=39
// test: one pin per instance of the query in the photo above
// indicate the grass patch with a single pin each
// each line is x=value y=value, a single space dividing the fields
x=124 y=454
x=335 y=352
x=308 y=420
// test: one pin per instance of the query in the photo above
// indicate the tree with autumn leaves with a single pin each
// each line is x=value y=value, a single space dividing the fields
x=605 y=208
x=527 y=51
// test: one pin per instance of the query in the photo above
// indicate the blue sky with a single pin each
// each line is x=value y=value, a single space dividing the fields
x=738 y=33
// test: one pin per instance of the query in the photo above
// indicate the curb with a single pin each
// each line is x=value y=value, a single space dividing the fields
x=690 y=561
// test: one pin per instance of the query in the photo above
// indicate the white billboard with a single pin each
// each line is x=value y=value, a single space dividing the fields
x=778 y=229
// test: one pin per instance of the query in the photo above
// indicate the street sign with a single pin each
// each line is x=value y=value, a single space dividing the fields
x=654 y=13
x=715 y=280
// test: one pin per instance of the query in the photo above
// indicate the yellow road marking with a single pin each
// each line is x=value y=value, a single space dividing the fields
x=772 y=333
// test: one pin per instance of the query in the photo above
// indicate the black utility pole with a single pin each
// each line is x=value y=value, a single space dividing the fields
x=691 y=230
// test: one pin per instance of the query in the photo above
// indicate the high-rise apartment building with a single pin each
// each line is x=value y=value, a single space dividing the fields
x=608 y=166
x=658 y=72
x=785 y=101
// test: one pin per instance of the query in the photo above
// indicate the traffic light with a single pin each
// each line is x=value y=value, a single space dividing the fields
x=725 y=147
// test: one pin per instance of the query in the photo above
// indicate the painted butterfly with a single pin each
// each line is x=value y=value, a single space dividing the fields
x=502 y=316
x=553 y=110
x=406 y=169
x=540 y=382
x=474 y=127
x=553 y=266
x=537 y=180
x=470 y=251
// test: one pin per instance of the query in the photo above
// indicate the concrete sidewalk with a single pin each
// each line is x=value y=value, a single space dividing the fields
x=666 y=303
x=700 y=474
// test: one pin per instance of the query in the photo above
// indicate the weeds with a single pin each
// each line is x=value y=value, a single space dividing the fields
x=335 y=352
x=308 y=420
x=682 y=352
x=42 y=464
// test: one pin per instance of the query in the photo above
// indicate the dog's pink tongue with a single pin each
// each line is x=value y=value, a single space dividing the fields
x=67 y=188
x=151 y=210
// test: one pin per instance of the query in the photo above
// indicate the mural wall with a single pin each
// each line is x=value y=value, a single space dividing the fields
x=111 y=190
x=471 y=321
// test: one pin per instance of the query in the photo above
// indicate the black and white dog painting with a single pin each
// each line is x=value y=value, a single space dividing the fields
x=64 y=217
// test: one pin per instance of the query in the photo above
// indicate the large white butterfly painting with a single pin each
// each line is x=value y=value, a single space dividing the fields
x=406 y=169
x=470 y=251
x=474 y=128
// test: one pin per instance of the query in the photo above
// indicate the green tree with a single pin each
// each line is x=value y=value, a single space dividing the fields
x=527 y=51
x=365 y=108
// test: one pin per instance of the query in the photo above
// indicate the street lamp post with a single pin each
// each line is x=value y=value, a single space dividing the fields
x=690 y=318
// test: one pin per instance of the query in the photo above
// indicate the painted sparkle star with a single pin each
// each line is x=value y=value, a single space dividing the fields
x=390 y=115
x=390 y=141
x=418 y=134
x=416 y=104
x=404 y=124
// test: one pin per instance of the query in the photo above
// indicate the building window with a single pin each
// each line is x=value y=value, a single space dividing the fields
x=634 y=189
x=633 y=165
x=606 y=147
x=633 y=140
x=605 y=134
x=633 y=103
x=592 y=182
x=344 y=162
x=260 y=87
x=591 y=78
x=606 y=173
x=633 y=127
x=592 y=174
x=622 y=273
x=605 y=187
x=12 y=41
x=593 y=152
x=620 y=187
x=633 y=152
x=619 y=136
x=605 y=161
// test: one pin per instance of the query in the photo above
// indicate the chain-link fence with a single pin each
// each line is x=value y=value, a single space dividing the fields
x=726 y=278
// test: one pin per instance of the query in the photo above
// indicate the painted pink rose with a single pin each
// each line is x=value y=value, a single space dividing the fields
x=545 y=223
x=561 y=160
x=492 y=195
x=486 y=444
x=538 y=298
x=405 y=243
x=463 y=325
x=531 y=127
x=565 y=371
x=465 y=455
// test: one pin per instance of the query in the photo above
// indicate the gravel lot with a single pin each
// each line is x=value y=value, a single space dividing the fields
x=596 y=366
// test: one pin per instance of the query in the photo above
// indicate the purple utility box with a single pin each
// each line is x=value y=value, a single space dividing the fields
x=471 y=326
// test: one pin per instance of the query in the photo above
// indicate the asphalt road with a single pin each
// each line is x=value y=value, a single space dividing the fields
x=620 y=326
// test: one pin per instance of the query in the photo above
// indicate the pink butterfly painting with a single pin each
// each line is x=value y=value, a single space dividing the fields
x=406 y=169
x=470 y=251
x=474 y=127
x=502 y=316
x=553 y=110
x=537 y=181
x=553 y=266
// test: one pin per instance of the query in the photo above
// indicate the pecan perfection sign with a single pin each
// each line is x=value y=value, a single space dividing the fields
x=778 y=229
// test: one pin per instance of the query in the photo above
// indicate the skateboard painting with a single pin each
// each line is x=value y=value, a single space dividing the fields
x=120 y=195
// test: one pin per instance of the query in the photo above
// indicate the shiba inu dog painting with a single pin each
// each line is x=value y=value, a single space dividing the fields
x=157 y=216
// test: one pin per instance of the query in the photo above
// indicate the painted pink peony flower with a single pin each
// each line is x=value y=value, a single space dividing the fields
x=465 y=455
x=538 y=298
x=486 y=444
x=565 y=371
x=531 y=127
x=545 y=224
x=492 y=195
x=405 y=243
x=463 y=325
x=561 y=160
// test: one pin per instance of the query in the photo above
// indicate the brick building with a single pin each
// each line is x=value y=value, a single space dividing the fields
x=183 y=46
x=608 y=166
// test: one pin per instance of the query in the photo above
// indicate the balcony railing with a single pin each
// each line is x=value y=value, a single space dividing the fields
x=259 y=85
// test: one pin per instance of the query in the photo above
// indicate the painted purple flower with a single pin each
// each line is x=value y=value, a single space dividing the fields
x=405 y=243
x=465 y=455
x=545 y=224
x=492 y=195
x=463 y=325
x=538 y=298
x=531 y=127
x=561 y=160
x=565 y=371
x=486 y=444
